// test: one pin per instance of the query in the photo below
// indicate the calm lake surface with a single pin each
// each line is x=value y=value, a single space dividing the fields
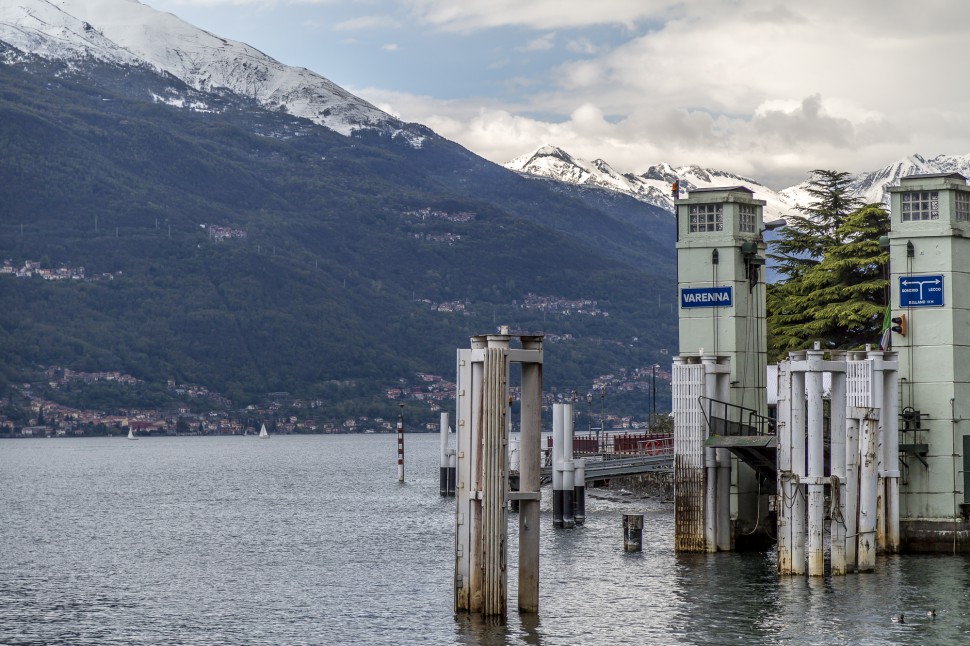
x=311 y=540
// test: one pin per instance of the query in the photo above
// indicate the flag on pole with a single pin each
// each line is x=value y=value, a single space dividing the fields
x=886 y=338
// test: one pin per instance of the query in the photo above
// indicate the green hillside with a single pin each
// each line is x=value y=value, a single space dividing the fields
x=253 y=252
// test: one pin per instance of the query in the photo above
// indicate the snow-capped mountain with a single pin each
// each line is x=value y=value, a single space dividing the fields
x=871 y=186
x=127 y=32
x=652 y=186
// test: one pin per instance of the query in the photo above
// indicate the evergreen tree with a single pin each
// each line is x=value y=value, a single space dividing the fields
x=807 y=237
x=840 y=296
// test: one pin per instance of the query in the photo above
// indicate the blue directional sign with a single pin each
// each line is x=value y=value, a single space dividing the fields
x=921 y=291
x=706 y=297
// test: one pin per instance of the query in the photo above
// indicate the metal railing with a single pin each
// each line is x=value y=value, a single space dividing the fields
x=727 y=419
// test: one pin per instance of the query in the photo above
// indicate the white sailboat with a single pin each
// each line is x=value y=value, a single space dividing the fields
x=262 y=433
x=131 y=434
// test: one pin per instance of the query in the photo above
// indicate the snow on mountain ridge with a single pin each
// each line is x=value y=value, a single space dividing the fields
x=652 y=186
x=128 y=32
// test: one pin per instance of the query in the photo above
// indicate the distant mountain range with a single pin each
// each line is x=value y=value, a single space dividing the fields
x=654 y=185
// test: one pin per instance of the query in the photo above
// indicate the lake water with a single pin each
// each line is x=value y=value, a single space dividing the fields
x=311 y=540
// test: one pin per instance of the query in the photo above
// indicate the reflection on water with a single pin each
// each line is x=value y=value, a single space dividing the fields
x=312 y=540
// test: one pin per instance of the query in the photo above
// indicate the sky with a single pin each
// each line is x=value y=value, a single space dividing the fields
x=768 y=90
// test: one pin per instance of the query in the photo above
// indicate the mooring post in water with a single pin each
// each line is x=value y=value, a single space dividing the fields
x=891 y=447
x=568 y=468
x=851 y=489
x=530 y=460
x=798 y=459
x=481 y=543
x=632 y=532
x=868 y=492
x=786 y=487
x=710 y=463
x=446 y=474
x=837 y=452
x=400 y=446
x=874 y=357
x=816 y=463
x=579 y=491
x=558 y=414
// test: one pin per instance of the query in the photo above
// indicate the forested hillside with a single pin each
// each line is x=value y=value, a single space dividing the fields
x=253 y=252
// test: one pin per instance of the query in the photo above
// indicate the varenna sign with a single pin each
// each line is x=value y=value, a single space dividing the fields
x=706 y=297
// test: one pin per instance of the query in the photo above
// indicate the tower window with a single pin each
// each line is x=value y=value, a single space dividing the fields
x=921 y=205
x=748 y=218
x=706 y=217
x=963 y=206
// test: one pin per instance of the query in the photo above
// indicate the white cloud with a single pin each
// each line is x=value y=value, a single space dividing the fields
x=390 y=47
x=767 y=89
x=542 y=43
x=367 y=22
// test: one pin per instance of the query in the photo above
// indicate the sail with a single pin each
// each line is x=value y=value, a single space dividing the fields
x=262 y=431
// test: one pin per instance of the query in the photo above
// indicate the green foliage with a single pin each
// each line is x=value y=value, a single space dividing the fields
x=807 y=237
x=842 y=297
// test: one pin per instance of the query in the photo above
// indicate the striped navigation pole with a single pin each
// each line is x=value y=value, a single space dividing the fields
x=400 y=445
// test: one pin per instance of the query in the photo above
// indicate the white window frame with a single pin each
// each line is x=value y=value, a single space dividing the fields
x=705 y=218
x=919 y=206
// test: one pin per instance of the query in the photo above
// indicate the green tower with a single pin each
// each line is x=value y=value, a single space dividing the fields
x=720 y=259
x=930 y=302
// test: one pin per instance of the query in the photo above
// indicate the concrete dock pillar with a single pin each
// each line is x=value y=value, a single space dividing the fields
x=798 y=461
x=837 y=456
x=868 y=493
x=558 y=431
x=632 y=532
x=816 y=463
x=785 y=486
x=579 y=491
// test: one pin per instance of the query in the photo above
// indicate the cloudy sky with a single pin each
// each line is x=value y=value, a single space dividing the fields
x=766 y=89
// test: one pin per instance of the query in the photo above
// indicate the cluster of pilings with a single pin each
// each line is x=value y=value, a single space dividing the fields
x=568 y=474
x=482 y=489
x=862 y=477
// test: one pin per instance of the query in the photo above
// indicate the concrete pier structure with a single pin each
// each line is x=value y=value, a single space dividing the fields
x=482 y=491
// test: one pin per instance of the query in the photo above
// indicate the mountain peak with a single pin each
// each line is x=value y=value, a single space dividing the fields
x=652 y=186
x=127 y=32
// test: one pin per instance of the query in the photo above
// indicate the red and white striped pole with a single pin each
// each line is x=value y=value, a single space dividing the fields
x=400 y=446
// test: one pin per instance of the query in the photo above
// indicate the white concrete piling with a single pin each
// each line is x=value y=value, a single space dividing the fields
x=568 y=489
x=891 y=448
x=798 y=463
x=569 y=469
x=837 y=469
x=530 y=452
x=868 y=493
x=851 y=492
x=558 y=412
x=579 y=491
x=710 y=463
x=816 y=463
x=786 y=487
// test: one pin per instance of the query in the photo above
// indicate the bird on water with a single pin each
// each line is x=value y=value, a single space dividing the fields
x=898 y=619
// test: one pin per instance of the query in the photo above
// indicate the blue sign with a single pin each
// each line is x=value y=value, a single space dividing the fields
x=921 y=291
x=706 y=297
